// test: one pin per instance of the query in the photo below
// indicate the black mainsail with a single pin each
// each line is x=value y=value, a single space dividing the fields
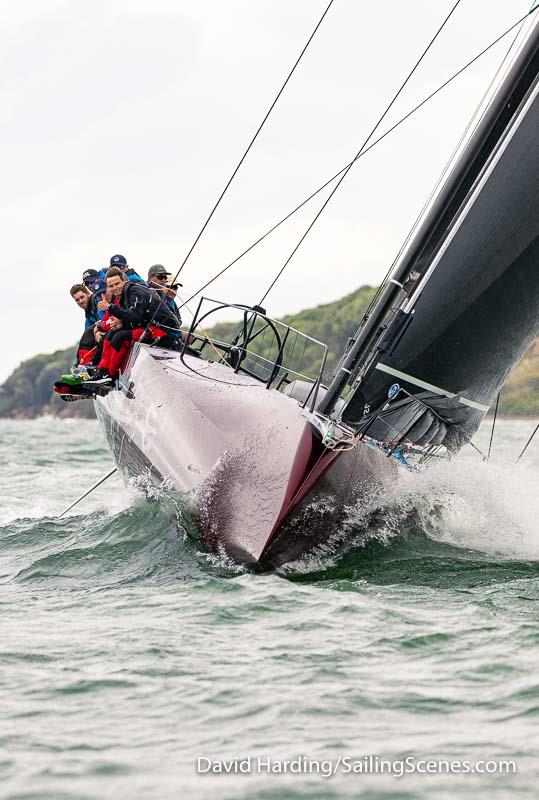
x=462 y=304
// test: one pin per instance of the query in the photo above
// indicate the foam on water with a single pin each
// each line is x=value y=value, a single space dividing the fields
x=481 y=509
x=491 y=508
x=111 y=500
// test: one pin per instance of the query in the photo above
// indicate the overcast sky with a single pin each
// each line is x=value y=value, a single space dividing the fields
x=123 y=119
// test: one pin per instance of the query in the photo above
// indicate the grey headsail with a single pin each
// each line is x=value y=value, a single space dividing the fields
x=463 y=302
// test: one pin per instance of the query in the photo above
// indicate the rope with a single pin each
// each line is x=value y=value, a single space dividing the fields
x=249 y=146
x=364 y=152
x=359 y=152
x=493 y=426
x=528 y=443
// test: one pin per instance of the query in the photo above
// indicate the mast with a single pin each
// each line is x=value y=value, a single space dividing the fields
x=384 y=328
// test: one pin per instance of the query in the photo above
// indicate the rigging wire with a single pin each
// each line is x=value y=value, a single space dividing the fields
x=249 y=146
x=528 y=443
x=483 y=456
x=363 y=146
x=89 y=491
x=242 y=159
x=363 y=153
x=444 y=171
x=493 y=426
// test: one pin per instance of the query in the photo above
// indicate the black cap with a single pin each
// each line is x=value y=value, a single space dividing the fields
x=89 y=274
x=118 y=261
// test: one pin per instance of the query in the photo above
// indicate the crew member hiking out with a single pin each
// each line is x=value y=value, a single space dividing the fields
x=160 y=280
x=92 y=278
x=135 y=313
x=87 y=348
x=89 y=277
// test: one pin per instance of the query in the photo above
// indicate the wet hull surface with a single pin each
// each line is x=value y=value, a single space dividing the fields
x=262 y=487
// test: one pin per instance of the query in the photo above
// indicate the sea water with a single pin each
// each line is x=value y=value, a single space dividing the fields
x=401 y=665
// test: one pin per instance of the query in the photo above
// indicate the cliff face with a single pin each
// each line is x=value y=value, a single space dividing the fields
x=28 y=390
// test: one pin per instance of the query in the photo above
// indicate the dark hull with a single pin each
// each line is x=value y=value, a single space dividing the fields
x=262 y=487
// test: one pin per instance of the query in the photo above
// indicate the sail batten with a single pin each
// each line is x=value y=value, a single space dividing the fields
x=430 y=387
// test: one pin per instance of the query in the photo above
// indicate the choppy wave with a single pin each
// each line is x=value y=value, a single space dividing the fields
x=127 y=653
x=460 y=520
x=149 y=542
x=471 y=520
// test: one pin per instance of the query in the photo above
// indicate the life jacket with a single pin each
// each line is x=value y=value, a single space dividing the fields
x=92 y=313
x=131 y=275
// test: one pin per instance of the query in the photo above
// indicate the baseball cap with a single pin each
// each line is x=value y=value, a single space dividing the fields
x=89 y=274
x=118 y=261
x=157 y=269
x=99 y=286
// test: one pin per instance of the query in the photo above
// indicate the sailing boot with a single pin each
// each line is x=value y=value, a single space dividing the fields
x=79 y=374
x=100 y=378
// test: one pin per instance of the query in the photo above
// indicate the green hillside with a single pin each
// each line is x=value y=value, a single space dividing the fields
x=520 y=395
x=27 y=392
x=330 y=324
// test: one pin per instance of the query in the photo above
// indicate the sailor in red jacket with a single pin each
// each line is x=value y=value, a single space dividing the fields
x=116 y=340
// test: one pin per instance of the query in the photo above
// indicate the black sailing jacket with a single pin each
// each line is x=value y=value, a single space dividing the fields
x=91 y=313
x=140 y=305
